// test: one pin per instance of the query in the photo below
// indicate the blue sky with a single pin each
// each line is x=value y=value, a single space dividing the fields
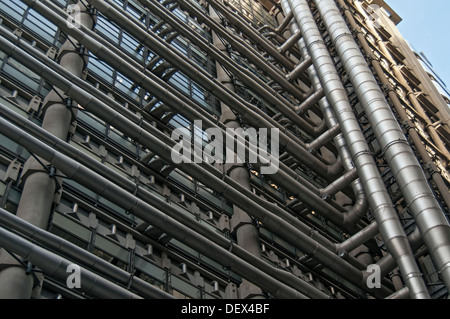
x=426 y=26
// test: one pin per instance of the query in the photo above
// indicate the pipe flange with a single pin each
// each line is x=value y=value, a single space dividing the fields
x=363 y=152
x=392 y=143
x=342 y=253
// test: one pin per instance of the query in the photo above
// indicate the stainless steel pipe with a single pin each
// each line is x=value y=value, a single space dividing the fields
x=379 y=200
x=408 y=173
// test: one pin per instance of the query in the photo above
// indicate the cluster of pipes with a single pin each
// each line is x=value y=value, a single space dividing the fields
x=325 y=93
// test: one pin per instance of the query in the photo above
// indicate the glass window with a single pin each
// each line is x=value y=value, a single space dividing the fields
x=206 y=194
x=63 y=3
x=180 y=178
x=13 y=107
x=13 y=8
x=91 y=122
x=7 y=144
x=40 y=26
x=107 y=29
x=101 y=71
x=69 y=237
x=184 y=248
x=136 y=10
x=111 y=248
x=181 y=45
x=126 y=86
x=79 y=189
x=115 y=208
x=185 y=288
x=70 y=230
x=117 y=137
x=150 y=268
x=22 y=74
x=2 y=57
x=132 y=46
x=68 y=225
x=178 y=13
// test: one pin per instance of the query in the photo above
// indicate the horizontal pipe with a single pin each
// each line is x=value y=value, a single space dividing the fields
x=401 y=159
x=286 y=138
x=358 y=239
x=110 y=191
x=323 y=139
x=135 y=206
x=280 y=28
x=252 y=34
x=332 y=189
x=155 y=201
x=56 y=266
x=379 y=200
x=401 y=294
x=288 y=181
x=310 y=101
x=80 y=256
x=248 y=78
x=289 y=43
x=299 y=69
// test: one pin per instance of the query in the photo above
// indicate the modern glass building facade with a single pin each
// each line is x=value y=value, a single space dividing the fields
x=91 y=92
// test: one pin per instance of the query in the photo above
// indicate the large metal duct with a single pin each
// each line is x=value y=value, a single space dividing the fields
x=354 y=215
x=411 y=131
x=408 y=173
x=379 y=200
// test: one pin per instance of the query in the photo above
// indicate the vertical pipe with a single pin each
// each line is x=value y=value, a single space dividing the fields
x=408 y=173
x=39 y=184
x=413 y=134
x=379 y=200
x=359 y=208
x=247 y=234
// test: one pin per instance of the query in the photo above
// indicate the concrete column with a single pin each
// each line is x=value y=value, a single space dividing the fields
x=39 y=184
x=242 y=225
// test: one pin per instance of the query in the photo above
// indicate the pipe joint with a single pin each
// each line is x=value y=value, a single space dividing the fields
x=444 y=268
x=362 y=153
x=342 y=253
x=392 y=143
